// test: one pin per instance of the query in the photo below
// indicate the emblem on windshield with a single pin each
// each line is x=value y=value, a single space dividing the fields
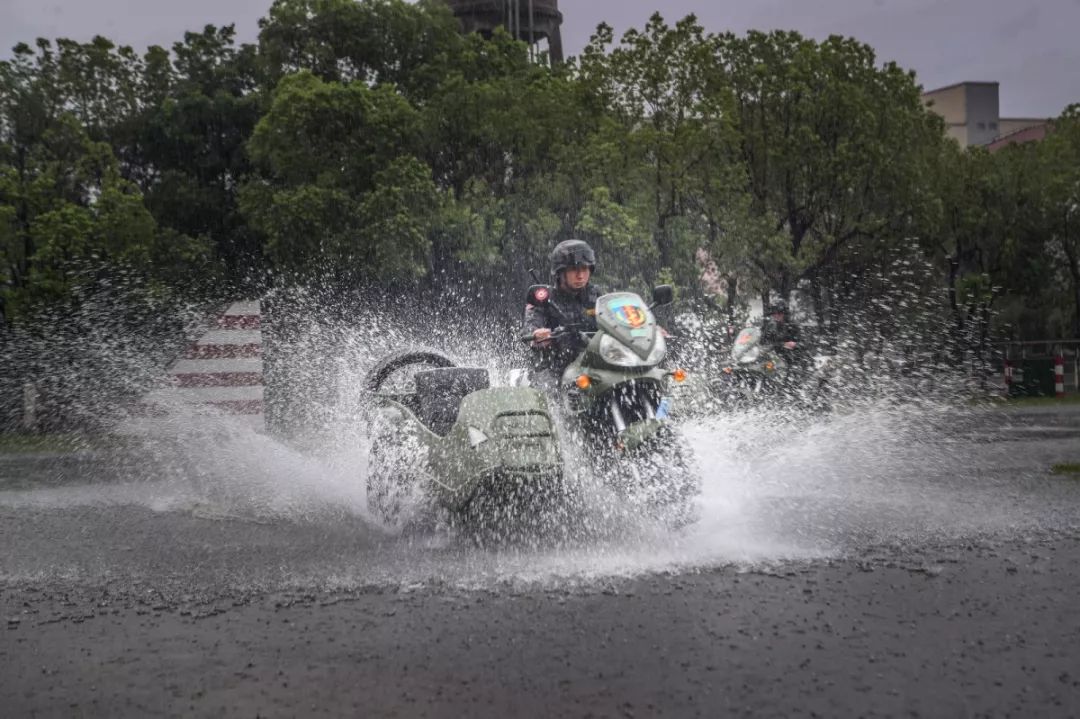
x=629 y=315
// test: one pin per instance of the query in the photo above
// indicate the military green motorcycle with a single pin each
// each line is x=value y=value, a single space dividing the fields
x=617 y=396
x=752 y=372
x=755 y=375
x=444 y=441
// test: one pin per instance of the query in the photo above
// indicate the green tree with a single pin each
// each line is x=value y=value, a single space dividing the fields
x=70 y=220
x=342 y=191
x=980 y=229
x=189 y=151
x=836 y=148
x=669 y=151
x=177 y=124
x=1060 y=192
x=498 y=132
x=374 y=42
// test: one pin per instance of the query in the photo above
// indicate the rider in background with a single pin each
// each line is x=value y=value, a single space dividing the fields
x=781 y=336
x=572 y=306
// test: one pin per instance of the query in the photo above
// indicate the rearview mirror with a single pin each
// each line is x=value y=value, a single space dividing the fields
x=663 y=295
x=538 y=295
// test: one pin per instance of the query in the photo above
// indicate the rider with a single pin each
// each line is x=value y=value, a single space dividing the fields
x=572 y=306
x=779 y=334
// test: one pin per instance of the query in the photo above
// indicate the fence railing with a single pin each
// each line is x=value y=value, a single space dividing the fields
x=1039 y=348
x=1064 y=356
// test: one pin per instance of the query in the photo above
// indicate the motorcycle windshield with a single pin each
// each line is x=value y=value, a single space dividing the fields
x=625 y=316
x=747 y=340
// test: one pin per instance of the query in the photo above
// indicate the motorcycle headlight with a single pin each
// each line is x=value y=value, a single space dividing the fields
x=750 y=356
x=617 y=354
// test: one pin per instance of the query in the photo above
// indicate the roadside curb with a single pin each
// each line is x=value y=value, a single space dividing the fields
x=25 y=470
x=46 y=457
x=1060 y=408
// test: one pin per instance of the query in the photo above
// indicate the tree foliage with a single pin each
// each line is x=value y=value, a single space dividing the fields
x=343 y=190
x=371 y=144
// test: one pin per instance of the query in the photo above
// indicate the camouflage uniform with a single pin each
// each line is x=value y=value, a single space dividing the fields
x=567 y=309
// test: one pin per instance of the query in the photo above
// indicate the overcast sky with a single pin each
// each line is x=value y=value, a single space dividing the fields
x=1032 y=48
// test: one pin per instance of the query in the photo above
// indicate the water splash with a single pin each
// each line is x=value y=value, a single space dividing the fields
x=778 y=485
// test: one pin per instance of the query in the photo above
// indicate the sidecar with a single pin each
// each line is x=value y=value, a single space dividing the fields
x=444 y=438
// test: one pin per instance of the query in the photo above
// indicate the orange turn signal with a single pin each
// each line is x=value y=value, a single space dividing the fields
x=770 y=366
x=679 y=375
x=583 y=381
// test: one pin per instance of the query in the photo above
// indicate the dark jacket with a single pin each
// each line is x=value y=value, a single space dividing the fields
x=566 y=309
x=775 y=334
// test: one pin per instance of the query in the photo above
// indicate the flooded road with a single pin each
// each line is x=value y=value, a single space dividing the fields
x=900 y=561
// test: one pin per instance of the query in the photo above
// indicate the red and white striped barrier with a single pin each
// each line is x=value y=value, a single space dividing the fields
x=1059 y=376
x=222 y=370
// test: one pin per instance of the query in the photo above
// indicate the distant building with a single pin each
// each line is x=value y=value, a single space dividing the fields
x=1032 y=133
x=972 y=116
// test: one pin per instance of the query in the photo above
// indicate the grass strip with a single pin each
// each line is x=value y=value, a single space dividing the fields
x=1006 y=402
x=1042 y=401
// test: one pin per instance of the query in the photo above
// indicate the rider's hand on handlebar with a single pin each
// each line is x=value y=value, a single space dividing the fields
x=542 y=337
x=789 y=345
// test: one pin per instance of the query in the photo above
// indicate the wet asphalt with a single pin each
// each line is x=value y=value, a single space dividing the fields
x=119 y=599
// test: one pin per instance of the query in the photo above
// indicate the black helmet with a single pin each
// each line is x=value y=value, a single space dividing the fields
x=571 y=253
x=777 y=308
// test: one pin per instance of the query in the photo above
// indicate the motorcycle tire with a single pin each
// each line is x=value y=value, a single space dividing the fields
x=665 y=484
x=396 y=485
x=532 y=519
x=679 y=507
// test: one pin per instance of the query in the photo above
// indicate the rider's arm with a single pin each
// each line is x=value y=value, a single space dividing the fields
x=791 y=336
x=769 y=335
x=537 y=323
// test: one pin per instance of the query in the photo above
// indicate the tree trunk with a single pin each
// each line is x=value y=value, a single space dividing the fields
x=1076 y=298
x=1074 y=271
x=954 y=274
x=732 y=298
x=663 y=241
x=819 y=302
x=1071 y=246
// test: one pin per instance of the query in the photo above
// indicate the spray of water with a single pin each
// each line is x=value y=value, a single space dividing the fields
x=778 y=483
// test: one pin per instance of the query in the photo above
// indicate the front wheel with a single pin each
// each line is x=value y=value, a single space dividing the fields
x=663 y=482
x=397 y=486
x=738 y=392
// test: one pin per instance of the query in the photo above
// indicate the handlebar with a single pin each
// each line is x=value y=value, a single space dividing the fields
x=558 y=333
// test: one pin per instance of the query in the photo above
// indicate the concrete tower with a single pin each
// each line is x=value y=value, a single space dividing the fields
x=527 y=20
